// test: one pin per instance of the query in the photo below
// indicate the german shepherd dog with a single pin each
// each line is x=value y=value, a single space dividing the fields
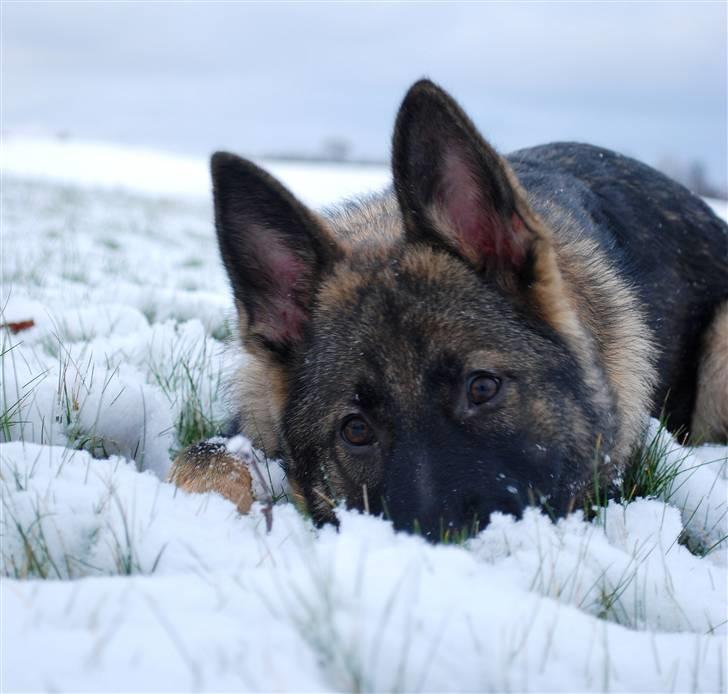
x=483 y=336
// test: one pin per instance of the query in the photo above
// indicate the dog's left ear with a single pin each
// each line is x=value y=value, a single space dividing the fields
x=275 y=251
x=454 y=190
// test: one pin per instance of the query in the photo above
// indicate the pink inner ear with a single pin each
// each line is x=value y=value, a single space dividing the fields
x=279 y=312
x=480 y=231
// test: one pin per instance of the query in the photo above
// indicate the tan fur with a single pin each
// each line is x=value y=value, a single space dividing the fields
x=710 y=417
x=374 y=223
x=262 y=390
x=340 y=289
x=296 y=494
x=208 y=467
x=580 y=288
x=611 y=315
x=428 y=264
x=369 y=229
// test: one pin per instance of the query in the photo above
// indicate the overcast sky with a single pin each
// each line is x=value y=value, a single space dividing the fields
x=648 y=79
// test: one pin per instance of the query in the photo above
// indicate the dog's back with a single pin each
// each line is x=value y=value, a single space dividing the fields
x=665 y=241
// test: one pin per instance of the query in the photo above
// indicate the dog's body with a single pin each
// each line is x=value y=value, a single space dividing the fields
x=659 y=238
x=481 y=337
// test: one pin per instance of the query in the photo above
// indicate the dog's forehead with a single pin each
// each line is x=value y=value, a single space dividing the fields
x=402 y=317
x=375 y=294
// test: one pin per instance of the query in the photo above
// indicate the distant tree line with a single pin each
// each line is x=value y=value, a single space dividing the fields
x=692 y=175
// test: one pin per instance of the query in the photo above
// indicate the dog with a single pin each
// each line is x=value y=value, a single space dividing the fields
x=489 y=333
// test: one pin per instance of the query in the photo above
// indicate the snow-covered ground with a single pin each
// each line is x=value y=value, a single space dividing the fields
x=156 y=173
x=114 y=580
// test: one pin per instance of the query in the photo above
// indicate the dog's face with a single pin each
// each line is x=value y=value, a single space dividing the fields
x=427 y=359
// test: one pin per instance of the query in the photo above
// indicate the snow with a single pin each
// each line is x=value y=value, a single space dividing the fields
x=147 y=171
x=719 y=206
x=217 y=603
x=115 y=580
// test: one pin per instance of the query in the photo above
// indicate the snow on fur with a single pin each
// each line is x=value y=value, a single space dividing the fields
x=148 y=588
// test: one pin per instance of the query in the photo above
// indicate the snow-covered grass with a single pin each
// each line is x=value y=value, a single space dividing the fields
x=115 y=580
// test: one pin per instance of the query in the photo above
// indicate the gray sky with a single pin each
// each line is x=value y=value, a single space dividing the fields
x=648 y=79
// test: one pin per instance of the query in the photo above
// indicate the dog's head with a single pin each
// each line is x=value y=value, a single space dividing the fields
x=423 y=355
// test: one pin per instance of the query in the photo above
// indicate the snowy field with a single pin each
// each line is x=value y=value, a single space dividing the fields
x=112 y=580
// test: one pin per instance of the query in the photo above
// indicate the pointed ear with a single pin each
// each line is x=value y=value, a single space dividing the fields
x=274 y=249
x=453 y=188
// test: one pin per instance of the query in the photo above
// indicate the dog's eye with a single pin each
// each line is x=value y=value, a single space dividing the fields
x=357 y=432
x=482 y=388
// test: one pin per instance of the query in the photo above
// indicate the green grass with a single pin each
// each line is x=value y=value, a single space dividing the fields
x=657 y=471
x=42 y=558
x=76 y=380
x=11 y=412
x=110 y=244
x=186 y=375
x=14 y=401
x=449 y=535
x=649 y=473
x=188 y=384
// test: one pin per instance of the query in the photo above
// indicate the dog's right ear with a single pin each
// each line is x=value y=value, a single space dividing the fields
x=275 y=251
x=453 y=188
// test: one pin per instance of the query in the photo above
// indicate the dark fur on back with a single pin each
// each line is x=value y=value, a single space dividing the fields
x=662 y=238
x=491 y=332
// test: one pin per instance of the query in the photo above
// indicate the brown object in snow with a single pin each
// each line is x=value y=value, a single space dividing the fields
x=210 y=467
x=18 y=326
